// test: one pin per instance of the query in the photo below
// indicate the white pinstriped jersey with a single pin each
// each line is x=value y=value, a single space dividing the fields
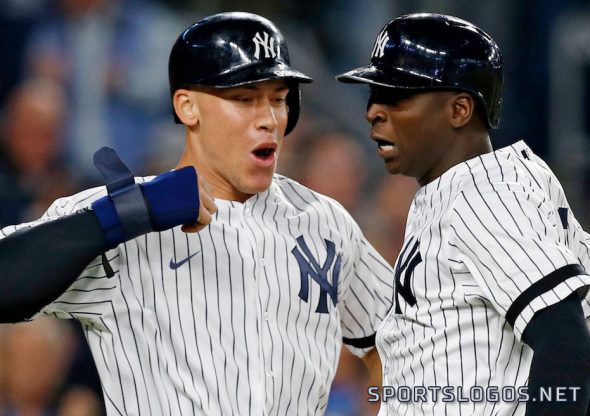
x=231 y=320
x=487 y=244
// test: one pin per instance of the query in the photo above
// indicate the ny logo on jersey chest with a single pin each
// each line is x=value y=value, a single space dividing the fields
x=310 y=267
x=406 y=263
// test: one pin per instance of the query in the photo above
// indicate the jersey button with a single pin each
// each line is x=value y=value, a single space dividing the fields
x=269 y=374
x=266 y=316
x=261 y=262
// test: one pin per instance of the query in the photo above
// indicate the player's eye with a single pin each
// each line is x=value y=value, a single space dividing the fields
x=242 y=98
x=279 y=100
x=246 y=99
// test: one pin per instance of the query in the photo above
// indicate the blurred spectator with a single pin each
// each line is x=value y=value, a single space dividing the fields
x=334 y=165
x=32 y=173
x=18 y=19
x=34 y=357
x=111 y=56
x=80 y=401
x=384 y=224
x=2 y=369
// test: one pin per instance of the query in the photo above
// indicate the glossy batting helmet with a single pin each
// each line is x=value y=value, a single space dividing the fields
x=427 y=51
x=233 y=49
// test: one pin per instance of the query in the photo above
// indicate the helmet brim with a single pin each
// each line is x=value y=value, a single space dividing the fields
x=392 y=78
x=397 y=78
x=249 y=74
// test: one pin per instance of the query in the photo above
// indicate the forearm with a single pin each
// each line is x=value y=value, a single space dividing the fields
x=561 y=360
x=40 y=263
x=373 y=363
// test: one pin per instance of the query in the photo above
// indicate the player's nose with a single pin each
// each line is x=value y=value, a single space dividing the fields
x=267 y=119
x=375 y=114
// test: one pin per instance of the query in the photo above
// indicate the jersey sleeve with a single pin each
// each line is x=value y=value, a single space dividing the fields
x=584 y=256
x=369 y=296
x=91 y=292
x=522 y=251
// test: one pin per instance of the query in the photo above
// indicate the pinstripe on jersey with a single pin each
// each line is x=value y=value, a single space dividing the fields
x=226 y=332
x=494 y=242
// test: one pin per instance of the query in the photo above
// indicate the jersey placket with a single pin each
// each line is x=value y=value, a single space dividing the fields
x=254 y=228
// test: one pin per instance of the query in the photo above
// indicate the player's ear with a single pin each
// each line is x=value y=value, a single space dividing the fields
x=462 y=109
x=185 y=106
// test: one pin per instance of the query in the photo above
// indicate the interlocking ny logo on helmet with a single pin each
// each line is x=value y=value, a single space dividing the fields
x=435 y=51
x=271 y=48
x=232 y=49
x=379 y=48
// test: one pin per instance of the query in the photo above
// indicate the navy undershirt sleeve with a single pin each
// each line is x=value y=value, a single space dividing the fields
x=560 y=366
x=38 y=264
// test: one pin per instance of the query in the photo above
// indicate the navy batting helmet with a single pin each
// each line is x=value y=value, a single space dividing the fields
x=232 y=49
x=433 y=51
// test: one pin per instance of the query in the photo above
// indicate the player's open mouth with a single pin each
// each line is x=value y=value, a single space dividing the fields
x=265 y=154
x=383 y=145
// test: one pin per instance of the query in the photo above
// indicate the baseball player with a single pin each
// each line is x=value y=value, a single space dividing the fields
x=244 y=317
x=489 y=315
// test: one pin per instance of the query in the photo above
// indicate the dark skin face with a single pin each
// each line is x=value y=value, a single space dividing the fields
x=423 y=135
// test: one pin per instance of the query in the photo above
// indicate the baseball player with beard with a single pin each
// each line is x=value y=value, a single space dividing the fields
x=489 y=315
x=233 y=300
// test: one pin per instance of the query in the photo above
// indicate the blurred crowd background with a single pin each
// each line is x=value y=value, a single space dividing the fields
x=79 y=74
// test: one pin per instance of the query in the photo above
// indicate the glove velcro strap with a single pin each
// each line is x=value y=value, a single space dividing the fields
x=106 y=214
x=123 y=214
x=132 y=211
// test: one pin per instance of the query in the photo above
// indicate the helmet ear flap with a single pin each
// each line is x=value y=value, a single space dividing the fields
x=294 y=103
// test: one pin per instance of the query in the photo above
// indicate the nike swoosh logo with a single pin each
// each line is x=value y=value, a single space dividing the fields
x=175 y=266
